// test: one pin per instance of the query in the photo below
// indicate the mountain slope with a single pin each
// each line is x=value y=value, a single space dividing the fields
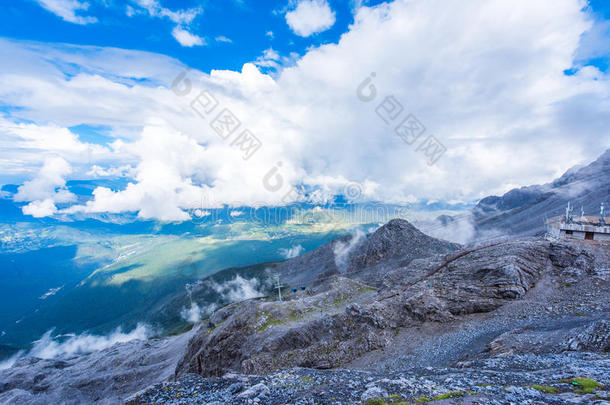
x=345 y=320
x=398 y=242
x=462 y=318
x=524 y=211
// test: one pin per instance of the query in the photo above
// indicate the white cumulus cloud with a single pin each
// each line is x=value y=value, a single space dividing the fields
x=40 y=208
x=51 y=176
x=46 y=189
x=310 y=17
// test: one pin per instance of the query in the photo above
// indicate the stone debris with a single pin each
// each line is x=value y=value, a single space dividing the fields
x=499 y=381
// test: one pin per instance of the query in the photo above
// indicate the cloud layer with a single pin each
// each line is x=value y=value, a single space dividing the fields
x=485 y=77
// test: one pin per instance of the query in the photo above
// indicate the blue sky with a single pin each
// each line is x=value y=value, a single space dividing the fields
x=247 y=24
x=602 y=7
x=251 y=26
x=508 y=93
x=601 y=12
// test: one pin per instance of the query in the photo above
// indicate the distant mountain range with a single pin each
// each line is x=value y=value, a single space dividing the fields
x=523 y=211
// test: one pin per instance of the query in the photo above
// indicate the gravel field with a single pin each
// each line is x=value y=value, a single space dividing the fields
x=506 y=380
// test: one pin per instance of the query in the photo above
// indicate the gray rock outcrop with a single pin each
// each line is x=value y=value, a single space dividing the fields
x=347 y=318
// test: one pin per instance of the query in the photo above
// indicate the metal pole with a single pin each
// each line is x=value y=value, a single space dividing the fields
x=279 y=287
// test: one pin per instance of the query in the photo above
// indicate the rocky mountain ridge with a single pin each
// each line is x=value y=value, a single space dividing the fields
x=344 y=319
x=362 y=256
x=400 y=317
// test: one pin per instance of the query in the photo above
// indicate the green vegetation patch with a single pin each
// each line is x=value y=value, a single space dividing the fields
x=298 y=314
x=448 y=395
x=583 y=385
x=394 y=400
x=307 y=380
x=545 y=388
x=269 y=323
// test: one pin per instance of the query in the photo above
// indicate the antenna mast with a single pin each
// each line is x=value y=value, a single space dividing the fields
x=568 y=217
x=278 y=286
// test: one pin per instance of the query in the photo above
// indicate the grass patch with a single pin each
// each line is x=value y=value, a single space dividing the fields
x=397 y=399
x=393 y=401
x=267 y=321
x=295 y=315
x=584 y=385
x=307 y=380
x=454 y=394
x=341 y=299
x=179 y=330
x=545 y=388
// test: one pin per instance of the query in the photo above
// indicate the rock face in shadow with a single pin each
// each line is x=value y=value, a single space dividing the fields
x=342 y=319
x=590 y=337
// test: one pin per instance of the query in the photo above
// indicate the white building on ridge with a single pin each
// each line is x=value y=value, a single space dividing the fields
x=583 y=227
